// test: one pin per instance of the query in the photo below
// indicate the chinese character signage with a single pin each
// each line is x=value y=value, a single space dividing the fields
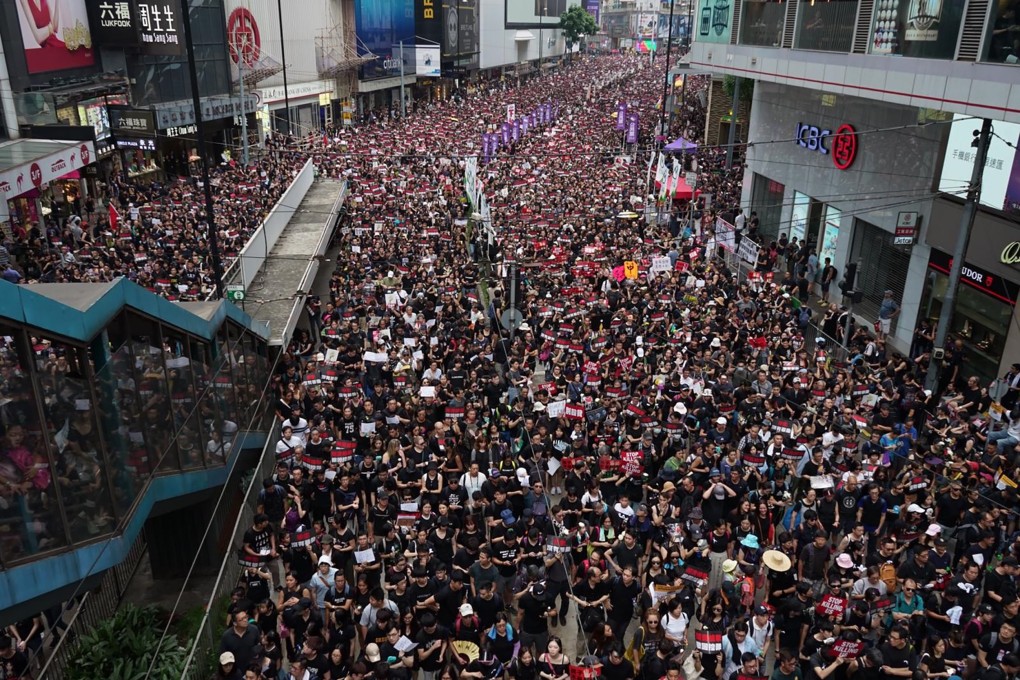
x=159 y=27
x=125 y=120
x=1000 y=185
x=114 y=22
x=55 y=34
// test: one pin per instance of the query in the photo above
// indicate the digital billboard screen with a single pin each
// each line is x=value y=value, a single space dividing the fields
x=1000 y=185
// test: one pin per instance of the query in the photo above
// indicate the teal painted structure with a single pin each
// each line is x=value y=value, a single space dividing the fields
x=98 y=359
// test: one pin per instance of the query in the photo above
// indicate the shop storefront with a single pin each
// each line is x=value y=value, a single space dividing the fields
x=841 y=192
x=134 y=136
x=42 y=179
x=308 y=107
x=984 y=317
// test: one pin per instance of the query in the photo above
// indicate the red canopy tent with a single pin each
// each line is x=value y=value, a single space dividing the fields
x=680 y=191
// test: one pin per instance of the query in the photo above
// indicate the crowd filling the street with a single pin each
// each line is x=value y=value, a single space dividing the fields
x=659 y=467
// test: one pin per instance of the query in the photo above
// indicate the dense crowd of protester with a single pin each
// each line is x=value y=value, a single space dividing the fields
x=156 y=232
x=715 y=495
x=655 y=463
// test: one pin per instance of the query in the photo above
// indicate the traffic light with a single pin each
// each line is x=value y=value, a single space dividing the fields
x=849 y=279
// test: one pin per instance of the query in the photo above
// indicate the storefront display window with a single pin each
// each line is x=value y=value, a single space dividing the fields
x=1003 y=44
x=799 y=216
x=762 y=22
x=916 y=29
x=826 y=26
x=830 y=235
x=981 y=319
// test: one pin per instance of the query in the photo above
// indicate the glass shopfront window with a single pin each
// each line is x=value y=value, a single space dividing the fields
x=982 y=315
x=1003 y=43
x=761 y=22
x=30 y=517
x=826 y=26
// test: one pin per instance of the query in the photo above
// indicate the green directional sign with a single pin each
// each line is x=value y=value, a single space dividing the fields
x=235 y=293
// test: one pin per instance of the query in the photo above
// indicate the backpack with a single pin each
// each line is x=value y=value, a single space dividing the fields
x=804 y=318
x=745 y=591
x=887 y=572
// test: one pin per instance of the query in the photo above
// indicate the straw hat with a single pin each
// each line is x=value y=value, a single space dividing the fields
x=776 y=560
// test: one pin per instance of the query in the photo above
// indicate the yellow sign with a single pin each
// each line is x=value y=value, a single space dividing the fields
x=630 y=269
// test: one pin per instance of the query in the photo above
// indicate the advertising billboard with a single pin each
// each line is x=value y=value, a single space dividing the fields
x=426 y=61
x=93 y=112
x=712 y=21
x=533 y=13
x=428 y=20
x=55 y=34
x=380 y=26
x=460 y=32
x=1000 y=186
x=917 y=28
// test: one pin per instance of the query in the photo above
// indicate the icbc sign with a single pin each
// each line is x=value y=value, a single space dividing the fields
x=842 y=145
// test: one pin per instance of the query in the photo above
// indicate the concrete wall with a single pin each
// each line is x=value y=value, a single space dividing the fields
x=499 y=47
x=261 y=243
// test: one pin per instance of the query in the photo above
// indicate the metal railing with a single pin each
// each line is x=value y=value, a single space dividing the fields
x=96 y=606
x=206 y=643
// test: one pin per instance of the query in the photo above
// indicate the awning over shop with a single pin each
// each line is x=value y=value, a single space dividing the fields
x=522 y=36
x=27 y=164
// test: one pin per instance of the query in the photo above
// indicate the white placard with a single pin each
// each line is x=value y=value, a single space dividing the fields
x=555 y=408
x=364 y=556
x=375 y=357
x=661 y=264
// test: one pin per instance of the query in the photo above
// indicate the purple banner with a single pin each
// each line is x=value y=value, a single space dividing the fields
x=632 y=129
x=525 y=124
x=506 y=133
x=517 y=129
x=592 y=7
x=621 y=116
x=485 y=147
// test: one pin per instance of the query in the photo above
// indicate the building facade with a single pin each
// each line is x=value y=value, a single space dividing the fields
x=860 y=130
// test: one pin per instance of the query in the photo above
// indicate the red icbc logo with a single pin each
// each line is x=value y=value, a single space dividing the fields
x=844 y=146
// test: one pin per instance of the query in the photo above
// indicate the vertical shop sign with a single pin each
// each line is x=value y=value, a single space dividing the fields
x=426 y=20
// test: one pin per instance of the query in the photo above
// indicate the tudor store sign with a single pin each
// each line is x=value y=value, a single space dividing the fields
x=841 y=145
x=988 y=283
